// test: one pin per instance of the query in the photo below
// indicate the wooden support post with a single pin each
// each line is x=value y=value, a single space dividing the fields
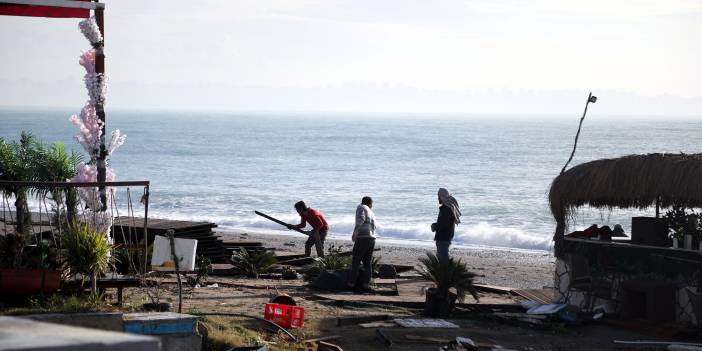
x=175 y=258
x=658 y=207
x=100 y=108
x=145 y=201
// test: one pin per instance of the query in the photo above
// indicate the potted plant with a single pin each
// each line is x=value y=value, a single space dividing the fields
x=684 y=226
x=440 y=301
x=27 y=270
x=87 y=253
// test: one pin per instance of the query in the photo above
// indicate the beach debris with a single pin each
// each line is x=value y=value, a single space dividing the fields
x=284 y=299
x=381 y=324
x=353 y=320
x=208 y=243
x=547 y=309
x=675 y=347
x=460 y=344
x=522 y=317
x=387 y=271
x=529 y=304
x=424 y=323
x=381 y=337
x=385 y=287
x=327 y=346
x=298 y=262
x=332 y=280
x=251 y=348
x=323 y=344
x=543 y=296
x=322 y=338
x=669 y=345
x=289 y=273
x=427 y=339
x=493 y=288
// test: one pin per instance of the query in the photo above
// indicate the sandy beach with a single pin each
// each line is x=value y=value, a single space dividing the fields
x=501 y=267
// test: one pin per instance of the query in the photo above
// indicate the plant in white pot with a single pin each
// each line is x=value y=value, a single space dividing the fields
x=684 y=226
x=440 y=301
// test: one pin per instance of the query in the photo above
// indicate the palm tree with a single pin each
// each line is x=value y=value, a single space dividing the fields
x=57 y=165
x=19 y=162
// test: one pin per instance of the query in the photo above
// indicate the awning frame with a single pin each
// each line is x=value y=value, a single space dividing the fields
x=58 y=3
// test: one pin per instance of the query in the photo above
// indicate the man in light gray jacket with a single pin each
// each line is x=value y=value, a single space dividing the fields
x=363 y=244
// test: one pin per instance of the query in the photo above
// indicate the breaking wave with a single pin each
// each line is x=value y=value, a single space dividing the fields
x=481 y=234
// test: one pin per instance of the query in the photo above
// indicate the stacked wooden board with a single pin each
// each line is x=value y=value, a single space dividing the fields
x=208 y=244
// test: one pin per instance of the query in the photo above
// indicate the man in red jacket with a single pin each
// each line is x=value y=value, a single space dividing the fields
x=319 y=228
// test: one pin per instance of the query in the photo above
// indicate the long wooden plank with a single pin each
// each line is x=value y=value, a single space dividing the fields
x=543 y=296
x=160 y=223
x=493 y=288
x=280 y=222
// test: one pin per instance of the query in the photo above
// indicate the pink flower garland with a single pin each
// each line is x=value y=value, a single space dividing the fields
x=90 y=127
x=90 y=130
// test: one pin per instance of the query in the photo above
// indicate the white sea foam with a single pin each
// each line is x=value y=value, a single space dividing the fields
x=482 y=234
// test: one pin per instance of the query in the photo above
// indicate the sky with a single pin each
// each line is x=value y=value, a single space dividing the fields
x=525 y=57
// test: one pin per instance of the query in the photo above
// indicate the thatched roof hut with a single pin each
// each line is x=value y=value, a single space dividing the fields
x=635 y=181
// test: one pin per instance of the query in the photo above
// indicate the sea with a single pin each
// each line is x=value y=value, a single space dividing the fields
x=221 y=167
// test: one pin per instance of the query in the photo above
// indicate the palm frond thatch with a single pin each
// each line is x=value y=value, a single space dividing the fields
x=635 y=181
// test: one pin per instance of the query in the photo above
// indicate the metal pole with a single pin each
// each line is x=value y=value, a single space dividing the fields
x=590 y=99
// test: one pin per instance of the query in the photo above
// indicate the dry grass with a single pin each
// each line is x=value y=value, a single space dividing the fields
x=224 y=333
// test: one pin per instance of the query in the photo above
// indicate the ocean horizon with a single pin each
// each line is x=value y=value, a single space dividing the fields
x=221 y=167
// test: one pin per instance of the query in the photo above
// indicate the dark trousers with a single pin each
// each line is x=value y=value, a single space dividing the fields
x=316 y=240
x=442 y=250
x=362 y=253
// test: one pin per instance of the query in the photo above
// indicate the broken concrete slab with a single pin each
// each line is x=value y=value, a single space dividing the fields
x=111 y=321
x=26 y=334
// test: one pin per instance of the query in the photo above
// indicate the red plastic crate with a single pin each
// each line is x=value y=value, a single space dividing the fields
x=285 y=315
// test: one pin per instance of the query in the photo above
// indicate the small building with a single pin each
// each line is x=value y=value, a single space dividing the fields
x=641 y=276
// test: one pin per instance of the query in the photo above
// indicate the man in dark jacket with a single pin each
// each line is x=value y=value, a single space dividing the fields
x=449 y=216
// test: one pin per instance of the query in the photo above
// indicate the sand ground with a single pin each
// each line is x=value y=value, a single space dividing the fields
x=236 y=295
x=501 y=267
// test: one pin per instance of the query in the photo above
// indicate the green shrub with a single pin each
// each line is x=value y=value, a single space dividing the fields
x=254 y=264
x=203 y=268
x=87 y=252
x=333 y=260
